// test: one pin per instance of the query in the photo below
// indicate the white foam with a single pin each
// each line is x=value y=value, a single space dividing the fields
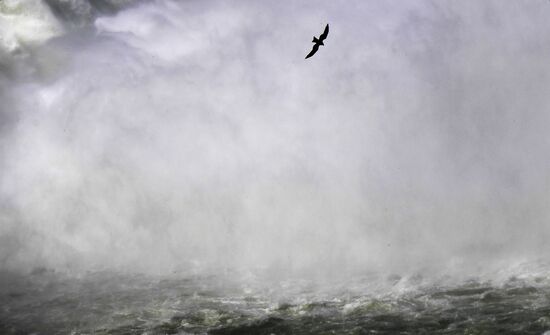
x=26 y=22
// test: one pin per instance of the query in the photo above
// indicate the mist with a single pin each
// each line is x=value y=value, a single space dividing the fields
x=193 y=136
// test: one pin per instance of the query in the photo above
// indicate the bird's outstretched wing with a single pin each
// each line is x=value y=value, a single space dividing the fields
x=324 y=34
x=313 y=51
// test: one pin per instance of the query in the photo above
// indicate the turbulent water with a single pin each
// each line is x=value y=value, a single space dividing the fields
x=177 y=167
x=105 y=303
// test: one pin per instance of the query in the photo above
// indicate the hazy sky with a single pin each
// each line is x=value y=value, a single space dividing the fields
x=193 y=134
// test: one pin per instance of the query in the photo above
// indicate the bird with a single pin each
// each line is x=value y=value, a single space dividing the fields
x=318 y=42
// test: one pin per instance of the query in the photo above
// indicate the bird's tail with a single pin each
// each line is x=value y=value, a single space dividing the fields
x=315 y=40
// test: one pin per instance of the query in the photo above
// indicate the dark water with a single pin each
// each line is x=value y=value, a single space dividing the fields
x=107 y=303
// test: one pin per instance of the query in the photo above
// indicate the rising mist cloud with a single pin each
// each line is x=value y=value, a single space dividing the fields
x=194 y=135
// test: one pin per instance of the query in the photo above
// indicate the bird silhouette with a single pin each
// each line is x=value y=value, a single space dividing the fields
x=318 y=42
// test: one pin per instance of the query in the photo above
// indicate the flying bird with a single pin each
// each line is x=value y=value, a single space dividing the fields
x=318 y=42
